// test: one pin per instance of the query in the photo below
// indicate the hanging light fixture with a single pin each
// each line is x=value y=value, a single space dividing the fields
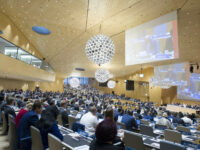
x=74 y=82
x=100 y=49
x=102 y=75
x=111 y=84
x=141 y=75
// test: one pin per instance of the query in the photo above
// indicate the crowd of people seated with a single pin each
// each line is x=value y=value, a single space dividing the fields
x=100 y=114
x=197 y=107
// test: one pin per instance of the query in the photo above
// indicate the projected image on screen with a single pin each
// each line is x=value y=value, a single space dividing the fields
x=191 y=92
x=153 y=41
x=172 y=75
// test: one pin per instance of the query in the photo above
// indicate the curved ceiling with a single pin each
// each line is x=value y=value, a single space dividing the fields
x=73 y=22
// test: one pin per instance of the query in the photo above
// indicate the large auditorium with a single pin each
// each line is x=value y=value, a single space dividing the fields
x=99 y=75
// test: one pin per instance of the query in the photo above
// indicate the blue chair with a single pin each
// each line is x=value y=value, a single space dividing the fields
x=78 y=126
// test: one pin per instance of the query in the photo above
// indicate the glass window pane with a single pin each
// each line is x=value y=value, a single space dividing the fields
x=36 y=62
x=11 y=51
x=24 y=56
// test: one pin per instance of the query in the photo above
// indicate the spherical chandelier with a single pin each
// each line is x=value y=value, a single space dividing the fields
x=111 y=84
x=102 y=75
x=100 y=49
x=74 y=82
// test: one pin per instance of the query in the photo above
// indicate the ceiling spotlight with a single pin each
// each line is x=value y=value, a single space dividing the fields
x=100 y=49
x=102 y=75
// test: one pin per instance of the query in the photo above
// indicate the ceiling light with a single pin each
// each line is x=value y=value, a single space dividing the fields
x=111 y=84
x=102 y=75
x=41 y=30
x=100 y=49
x=141 y=75
x=74 y=82
x=80 y=69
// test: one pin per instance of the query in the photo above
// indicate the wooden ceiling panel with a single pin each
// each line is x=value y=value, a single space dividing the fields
x=64 y=48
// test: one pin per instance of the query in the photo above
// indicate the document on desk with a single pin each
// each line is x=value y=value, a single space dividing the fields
x=84 y=147
x=157 y=145
x=187 y=138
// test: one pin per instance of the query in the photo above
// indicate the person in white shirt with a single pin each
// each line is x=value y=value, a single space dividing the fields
x=90 y=121
x=187 y=120
x=164 y=121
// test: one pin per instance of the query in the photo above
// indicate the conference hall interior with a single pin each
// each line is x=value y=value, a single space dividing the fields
x=99 y=74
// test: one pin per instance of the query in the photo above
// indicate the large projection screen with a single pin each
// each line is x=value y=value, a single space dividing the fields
x=192 y=91
x=152 y=41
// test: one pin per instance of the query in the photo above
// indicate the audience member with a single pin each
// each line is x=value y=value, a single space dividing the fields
x=29 y=119
x=9 y=110
x=164 y=121
x=129 y=120
x=47 y=124
x=21 y=113
x=105 y=133
x=90 y=121
x=63 y=113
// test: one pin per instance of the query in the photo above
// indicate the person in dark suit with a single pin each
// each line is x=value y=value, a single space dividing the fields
x=138 y=115
x=23 y=130
x=129 y=120
x=63 y=113
x=176 y=119
x=9 y=110
x=106 y=132
x=47 y=124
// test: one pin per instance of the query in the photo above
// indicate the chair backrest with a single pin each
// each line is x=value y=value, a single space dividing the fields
x=165 y=145
x=183 y=129
x=4 y=127
x=54 y=142
x=78 y=126
x=71 y=120
x=146 y=130
x=133 y=140
x=10 y=118
x=36 y=139
x=146 y=122
x=59 y=118
x=173 y=136
x=13 y=136
x=122 y=125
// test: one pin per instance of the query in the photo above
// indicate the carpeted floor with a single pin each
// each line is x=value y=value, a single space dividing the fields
x=4 y=144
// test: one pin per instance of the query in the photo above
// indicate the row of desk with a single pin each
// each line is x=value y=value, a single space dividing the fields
x=78 y=142
x=73 y=140
x=174 y=108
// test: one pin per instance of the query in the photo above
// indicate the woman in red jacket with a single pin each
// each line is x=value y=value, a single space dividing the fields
x=22 y=112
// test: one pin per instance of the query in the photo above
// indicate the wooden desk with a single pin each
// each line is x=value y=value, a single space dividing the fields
x=174 y=108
